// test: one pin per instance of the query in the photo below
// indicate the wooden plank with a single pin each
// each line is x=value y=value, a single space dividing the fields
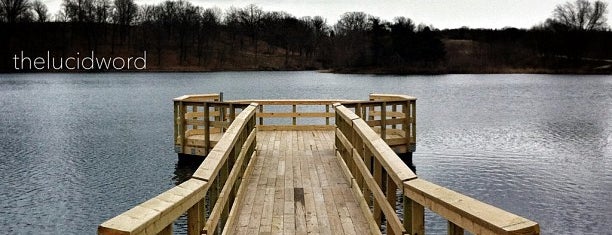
x=345 y=217
x=392 y=199
x=294 y=128
x=318 y=176
x=295 y=115
x=240 y=196
x=467 y=212
x=292 y=101
x=157 y=213
x=209 y=169
x=390 y=97
x=312 y=224
x=414 y=217
x=344 y=167
x=288 y=200
x=194 y=114
x=453 y=229
x=389 y=212
x=251 y=182
x=196 y=218
x=197 y=97
x=221 y=206
x=260 y=193
x=345 y=114
x=365 y=208
x=389 y=114
x=395 y=167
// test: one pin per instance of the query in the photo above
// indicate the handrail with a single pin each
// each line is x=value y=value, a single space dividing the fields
x=397 y=126
x=288 y=110
x=218 y=178
x=371 y=165
x=366 y=140
x=200 y=97
x=192 y=118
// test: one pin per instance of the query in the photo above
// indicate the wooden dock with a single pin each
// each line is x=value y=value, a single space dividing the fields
x=326 y=167
x=297 y=187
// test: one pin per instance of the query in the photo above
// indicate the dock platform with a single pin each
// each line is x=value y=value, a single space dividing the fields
x=297 y=187
x=305 y=167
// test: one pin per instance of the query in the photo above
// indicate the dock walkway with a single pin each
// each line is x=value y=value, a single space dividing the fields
x=340 y=173
x=297 y=187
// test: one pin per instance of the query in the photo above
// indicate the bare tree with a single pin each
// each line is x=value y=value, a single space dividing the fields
x=352 y=22
x=251 y=17
x=581 y=15
x=78 y=10
x=15 y=10
x=102 y=9
x=124 y=12
x=41 y=11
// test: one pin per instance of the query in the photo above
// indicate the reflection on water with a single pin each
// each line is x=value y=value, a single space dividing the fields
x=77 y=149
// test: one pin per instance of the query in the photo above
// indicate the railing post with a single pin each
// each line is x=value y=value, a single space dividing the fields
x=378 y=174
x=261 y=118
x=176 y=122
x=194 y=109
x=414 y=217
x=394 y=109
x=232 y=111
x=453 y=229
x=196 y=219
x=327 y=114
x=391 y=197
x=358 y=110
x=383 y=121
x=167 y=230
x=181 y=124
x=294 y=119
x=413 y=122
x=206 y=128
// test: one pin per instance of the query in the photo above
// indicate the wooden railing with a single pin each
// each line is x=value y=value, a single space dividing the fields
x=367 y=138
x=376 y=173
x=393 y=117
x=213 y=187
x=200 y=121
x=294 y=115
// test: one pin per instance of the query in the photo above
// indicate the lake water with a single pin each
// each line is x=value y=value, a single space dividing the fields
x=77 y=149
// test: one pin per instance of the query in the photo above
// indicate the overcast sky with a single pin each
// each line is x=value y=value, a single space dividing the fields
x=439 y=13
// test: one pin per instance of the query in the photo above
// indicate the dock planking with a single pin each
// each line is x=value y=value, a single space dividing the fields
x=340 y=177
x=297 y=187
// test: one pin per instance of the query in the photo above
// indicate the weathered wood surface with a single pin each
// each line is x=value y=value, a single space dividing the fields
x=366 y=158
x=338 y=178
x=297 y=187
x=474 y=216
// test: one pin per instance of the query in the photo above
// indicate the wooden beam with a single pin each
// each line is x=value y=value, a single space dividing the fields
x=389 y=212
x=468 y=213
x=395 y=167
x=196 y=218
x=154 y=215
x=414 y=217
x=295 y=115
x=295 y=128
x=453 y=229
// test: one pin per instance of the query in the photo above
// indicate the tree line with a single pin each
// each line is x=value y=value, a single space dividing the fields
x=182 y=36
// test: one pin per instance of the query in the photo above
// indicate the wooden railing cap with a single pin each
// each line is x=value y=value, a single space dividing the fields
x=186 y=97
x=154 y=215
x=466 y=212
x=396 y=96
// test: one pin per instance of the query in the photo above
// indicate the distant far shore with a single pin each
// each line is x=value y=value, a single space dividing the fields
x=601 y=70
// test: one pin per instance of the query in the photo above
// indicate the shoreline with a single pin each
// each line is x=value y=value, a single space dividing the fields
x=362 y=71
